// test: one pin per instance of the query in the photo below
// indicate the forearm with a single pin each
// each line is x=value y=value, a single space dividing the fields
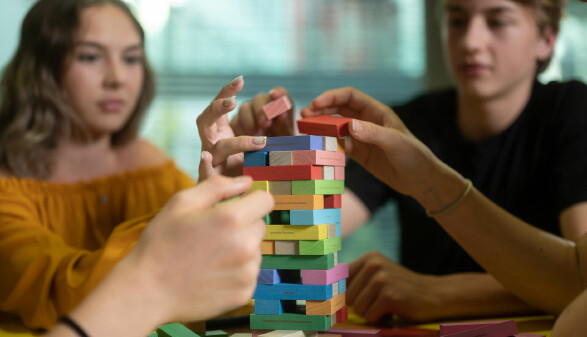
x=540 y=268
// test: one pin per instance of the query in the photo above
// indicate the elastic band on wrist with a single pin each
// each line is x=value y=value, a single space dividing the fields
x=455 y=203
x=73 y=325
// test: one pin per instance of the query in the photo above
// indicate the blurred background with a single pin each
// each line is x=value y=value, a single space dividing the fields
x=388 y=48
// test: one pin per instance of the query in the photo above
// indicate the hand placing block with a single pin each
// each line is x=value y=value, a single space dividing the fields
x=277 y=107
x=325 y=126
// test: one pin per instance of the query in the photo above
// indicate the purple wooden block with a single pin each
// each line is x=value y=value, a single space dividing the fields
x=313 y=276
x=268 y=276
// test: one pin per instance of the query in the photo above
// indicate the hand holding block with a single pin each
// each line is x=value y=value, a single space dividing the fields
x=277 y=107
x=324 y=126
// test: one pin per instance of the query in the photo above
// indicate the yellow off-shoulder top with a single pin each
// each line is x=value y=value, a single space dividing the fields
x=57 y=241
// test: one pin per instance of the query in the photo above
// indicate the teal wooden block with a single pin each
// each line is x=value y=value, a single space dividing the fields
x=317 y=187
x=298 y=261
x=314 y=216
x=268 y=307
x=215 y=333
x=320 y=247
x=175 y=330
x=255 y=159
x=289 y=291
x=291 y=322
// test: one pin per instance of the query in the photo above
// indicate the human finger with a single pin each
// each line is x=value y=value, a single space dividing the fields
x=213 y=112
x=247 y=121
x=232 y=88
x=229 y=146
x=380 y=306
x=257 y=104
x=205 y=169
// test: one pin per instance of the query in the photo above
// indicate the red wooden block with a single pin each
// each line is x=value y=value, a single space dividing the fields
x=324 y=126
x=277 y=107
x=333 y=201
x=289 y=172
x=342 y=315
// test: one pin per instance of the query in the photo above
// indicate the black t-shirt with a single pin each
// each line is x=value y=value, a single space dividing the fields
x=534 y=169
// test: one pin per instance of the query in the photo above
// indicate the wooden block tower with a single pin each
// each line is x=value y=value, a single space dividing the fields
x=301 y=285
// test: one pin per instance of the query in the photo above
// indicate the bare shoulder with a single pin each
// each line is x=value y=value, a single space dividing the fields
x=140 y=153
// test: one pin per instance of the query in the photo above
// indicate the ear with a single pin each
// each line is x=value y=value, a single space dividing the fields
x=546 y=42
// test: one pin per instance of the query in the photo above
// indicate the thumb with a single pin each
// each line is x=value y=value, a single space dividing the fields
x=367 y=132
x=205 y=169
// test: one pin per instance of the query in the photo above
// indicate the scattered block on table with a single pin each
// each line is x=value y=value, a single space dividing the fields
x=280 y=187
x=277 y=107
x=314 y=216
x=175 y=330
x=215 y=333
x=342 y=315
x=318 y=157
x=291 y=321
x=338 y=273
x=255 y=159
x=296 y=232
x=280 y=158
x=290 y=333
x=327 y=307
x=333 y=201
x=330 y=143
x=268 y=307
x=267 y=247
x=290 y=202
x=319 y=247
x=325 y=126
x=293 y=143
x=268 y=276
x=297 y=262
x=290 y=291
x=290 y=172
x=346 y=332
x=334 y=230
x=526 y=334
x=328 y=172
x=242 y=334
x=472 y=329
x=339 y=173
x=287 y=247
x=262 y=185
x=305 y=186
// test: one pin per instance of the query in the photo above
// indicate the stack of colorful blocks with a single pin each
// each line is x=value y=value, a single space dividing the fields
x=301 y=285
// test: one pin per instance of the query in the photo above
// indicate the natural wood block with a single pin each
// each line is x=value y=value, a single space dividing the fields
x=290 y=172
x=324 y=126
x=317 y=186
x=289 y=202
x=291 y=322
x=328 y=172
x=328 y=307
x=280 y=158
x=267 y=247
x=298 y=262
x=277 y=107
x=280 y=187
x=318 y=157
x=334 y=230
x=287 y=247
x=296 y=232
x=330 y=143
x=319 y=247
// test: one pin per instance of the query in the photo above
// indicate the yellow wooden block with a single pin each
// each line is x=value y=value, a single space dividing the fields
x=328 y=307
x=296 y=232
x=260 y=185
x=304 y=201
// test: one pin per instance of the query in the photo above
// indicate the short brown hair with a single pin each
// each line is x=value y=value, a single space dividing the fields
x=33 y=111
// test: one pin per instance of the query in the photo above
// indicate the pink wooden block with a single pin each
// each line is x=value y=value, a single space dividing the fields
x=485 y=329
x=318 y=157
x=321 y=277
x=277 y=107
x=339 y=173
x=345 y=332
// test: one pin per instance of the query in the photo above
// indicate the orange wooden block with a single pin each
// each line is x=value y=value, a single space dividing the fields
x=302 y=201
x=324 y=126
x=267 y=248
x=328 y=307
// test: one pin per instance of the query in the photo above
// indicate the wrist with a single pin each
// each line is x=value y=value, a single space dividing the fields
x=443 y=191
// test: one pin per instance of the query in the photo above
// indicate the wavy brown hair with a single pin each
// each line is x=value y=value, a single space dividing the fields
x=34 y=114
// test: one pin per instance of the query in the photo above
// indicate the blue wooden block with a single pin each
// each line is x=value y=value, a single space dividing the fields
x=268 y=307
x=342 y=286
x=338 y=229
x=255 y=159
x=290 y=291
x=314 y=216
x=292 y=143
x=268 y=276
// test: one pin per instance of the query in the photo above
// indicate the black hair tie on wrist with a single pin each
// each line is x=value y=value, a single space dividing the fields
x=73 y=325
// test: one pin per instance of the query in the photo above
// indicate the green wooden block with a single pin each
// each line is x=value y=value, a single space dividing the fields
x=317 y=187
x=298 y=261
x=320 y=247
x=153 y=334
x=175 y=330
x=215 y=333
x=291 y=322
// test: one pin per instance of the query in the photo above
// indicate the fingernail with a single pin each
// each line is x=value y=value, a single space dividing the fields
x=271 y=91
x=229 y=101
x=242 y=179
x=236 y=80
x=259 y=140
x=357 y=126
